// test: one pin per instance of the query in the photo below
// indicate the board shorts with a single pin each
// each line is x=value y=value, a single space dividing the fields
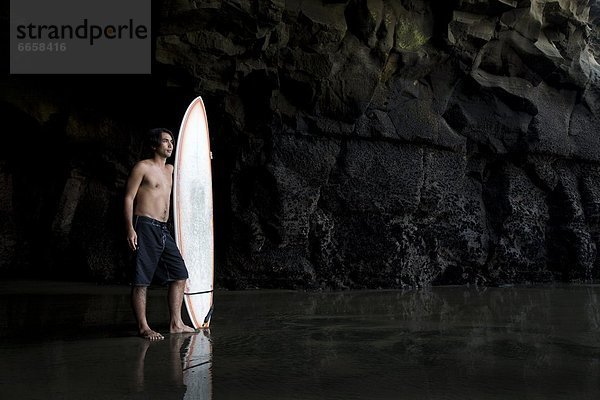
x=157 y=255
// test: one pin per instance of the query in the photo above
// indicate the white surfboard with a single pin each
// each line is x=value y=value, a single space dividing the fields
x=193 y=212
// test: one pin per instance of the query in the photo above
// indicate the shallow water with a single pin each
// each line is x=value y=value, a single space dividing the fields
x=70 y=341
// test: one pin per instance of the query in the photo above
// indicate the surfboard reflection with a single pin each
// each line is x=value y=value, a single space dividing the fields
x=179 y=367
x=196 y=357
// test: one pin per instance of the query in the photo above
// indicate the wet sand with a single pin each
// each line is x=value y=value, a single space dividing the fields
x=77 y=341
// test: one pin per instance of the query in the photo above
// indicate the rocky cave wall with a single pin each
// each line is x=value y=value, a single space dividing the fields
x=357 y=144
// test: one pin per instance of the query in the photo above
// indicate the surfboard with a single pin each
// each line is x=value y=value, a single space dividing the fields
x=193 y=212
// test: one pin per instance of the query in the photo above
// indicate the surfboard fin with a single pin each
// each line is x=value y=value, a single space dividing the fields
x=208 y=317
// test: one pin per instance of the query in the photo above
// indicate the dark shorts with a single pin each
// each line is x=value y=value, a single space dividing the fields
x=157 y=255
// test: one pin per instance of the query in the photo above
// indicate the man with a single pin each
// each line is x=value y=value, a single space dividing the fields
x=147 y=199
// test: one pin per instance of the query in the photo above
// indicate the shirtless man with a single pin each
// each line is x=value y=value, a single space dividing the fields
x=147 y=198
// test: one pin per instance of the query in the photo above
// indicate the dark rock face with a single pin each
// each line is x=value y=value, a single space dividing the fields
x=361 y=143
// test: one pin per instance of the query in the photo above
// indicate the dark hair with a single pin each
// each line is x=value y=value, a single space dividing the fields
x=153 y=137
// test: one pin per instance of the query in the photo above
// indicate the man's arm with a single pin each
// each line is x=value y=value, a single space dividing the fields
x=133 y=184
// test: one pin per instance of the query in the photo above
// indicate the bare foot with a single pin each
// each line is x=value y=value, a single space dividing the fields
x=182 y=329
x=151 y=335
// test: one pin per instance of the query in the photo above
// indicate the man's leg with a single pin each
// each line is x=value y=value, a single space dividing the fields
x=176 y=289
x=138 y=302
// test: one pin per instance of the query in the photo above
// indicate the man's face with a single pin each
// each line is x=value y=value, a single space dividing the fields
x=165 y=149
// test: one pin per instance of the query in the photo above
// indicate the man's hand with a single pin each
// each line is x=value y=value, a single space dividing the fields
x=132 y=239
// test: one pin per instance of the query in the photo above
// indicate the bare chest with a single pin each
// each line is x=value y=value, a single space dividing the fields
x=158 y=180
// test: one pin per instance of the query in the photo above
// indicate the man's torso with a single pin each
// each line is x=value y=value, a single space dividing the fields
x=153 y=196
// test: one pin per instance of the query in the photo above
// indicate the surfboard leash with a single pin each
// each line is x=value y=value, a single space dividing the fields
x=193 y=293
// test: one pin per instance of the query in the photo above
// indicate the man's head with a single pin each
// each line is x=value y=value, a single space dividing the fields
x=160 y=140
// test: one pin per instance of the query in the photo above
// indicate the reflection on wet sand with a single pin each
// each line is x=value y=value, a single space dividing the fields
x=441 y=343
x=187 y=371
x=196 y=357
x=73 y=341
